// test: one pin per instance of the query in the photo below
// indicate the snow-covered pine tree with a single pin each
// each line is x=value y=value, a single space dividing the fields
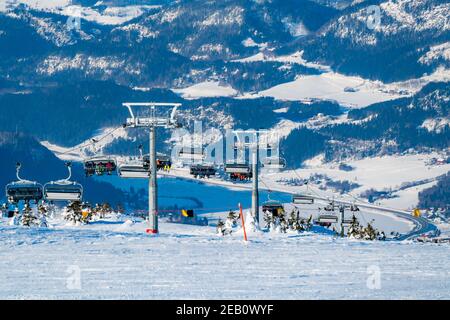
x=74 y=213
x=308 y=223
x=230 y=222
x=105 y=210
x=354 y=230
x=96 y=211
x=220 y=229
x=283 y=224
x=28 y=219
x=293 y=221
x=370 y=233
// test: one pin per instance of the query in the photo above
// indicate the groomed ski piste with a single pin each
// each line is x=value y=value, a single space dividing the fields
x=114 y=258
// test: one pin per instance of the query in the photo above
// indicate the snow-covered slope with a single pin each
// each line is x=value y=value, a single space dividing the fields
x=116 y=259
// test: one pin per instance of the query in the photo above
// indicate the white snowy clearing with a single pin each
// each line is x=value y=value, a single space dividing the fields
x=380 y=173
x=116 y=259
x=108 y=16
x=350 y=91
x=207 y=89
x=103 y=137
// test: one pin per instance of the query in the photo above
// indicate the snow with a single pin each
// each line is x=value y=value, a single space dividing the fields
x=37 y=4
x=206 y=89
x=104 y=136
x=407 y=198
x=332 y=86
x=226 y=17
x=294 y=58
x=436 y=52
x=109 y=16
x=350 y=91
x=296 y=29
x=380 y=173
x=89 y=64
x=116 y=259
x=435 y=124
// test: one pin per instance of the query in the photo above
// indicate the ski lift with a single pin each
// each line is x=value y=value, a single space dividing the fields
x=23 y=190
x=63 y=190
x=99 y=165
x=330 y=206
x=346 y=222
x=302 y=199
x=191 y=154
x=327 y=219
x=274 y=163
x=275 y=207
x=162 y=161
x=238 y=171
x=202 y=170
x=135 y=168
x=238 y=168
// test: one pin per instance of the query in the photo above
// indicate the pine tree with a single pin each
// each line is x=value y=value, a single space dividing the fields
x=269 y=219
x=120 y=209
x=355 y=230
x=74 y=213
x=283 y=225
x=370 y=233
x=105 y=210
x=28 y=219
x=293 y=221
x=231 y=222
x=220 y=229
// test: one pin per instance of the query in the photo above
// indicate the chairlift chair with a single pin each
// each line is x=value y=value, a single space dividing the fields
x=23 y=190
x=63 y=190
x=189 y=154
x=134 y=169
x=274 y=163
x=237 y=168
x=327 y=218
x=275 y=207
x=302 y=199
x=163 y=161
x=347 y=222
x=100 y=165
x=202 y=170
x=239 y=171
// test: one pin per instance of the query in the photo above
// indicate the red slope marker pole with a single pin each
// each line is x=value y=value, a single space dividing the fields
x=243 y=222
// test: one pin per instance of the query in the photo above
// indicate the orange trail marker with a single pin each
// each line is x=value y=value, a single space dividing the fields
x=243 y=222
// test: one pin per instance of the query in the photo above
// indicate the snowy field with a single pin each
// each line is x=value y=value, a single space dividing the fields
x=117 y=260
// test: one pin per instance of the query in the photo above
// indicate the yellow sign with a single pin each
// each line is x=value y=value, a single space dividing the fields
x=187 y=213
x=417 y=213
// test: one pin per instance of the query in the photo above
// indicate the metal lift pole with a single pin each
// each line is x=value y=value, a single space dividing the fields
x=152 y=121
x=255 y=192
x=152 y=185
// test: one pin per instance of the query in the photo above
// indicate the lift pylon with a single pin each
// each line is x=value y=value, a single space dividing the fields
x=152 y=120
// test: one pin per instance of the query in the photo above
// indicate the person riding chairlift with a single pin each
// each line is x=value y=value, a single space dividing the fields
x=109 y=167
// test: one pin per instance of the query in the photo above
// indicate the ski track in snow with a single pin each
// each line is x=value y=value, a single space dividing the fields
x=189 y=262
